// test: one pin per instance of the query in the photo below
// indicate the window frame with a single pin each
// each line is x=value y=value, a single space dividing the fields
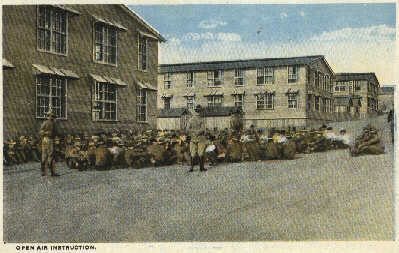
x=292 y=99
x=211 y=78
x=51 y=30
x=167 y=81
x=290 y=76
x=105 y=89
x=266 y=74
x=238 y=101
x=211 y=101
x=140 y=105
x=50 y=96
x=190 y=79
x=105 y=44
x=317 y=103
x=265 y=101
x=192 y=99
x=140 y=53
x=239 y=77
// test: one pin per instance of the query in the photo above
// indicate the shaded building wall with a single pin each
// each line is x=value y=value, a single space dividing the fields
x=20 y=48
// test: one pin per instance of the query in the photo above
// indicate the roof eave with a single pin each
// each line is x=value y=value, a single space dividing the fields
x=143 y=22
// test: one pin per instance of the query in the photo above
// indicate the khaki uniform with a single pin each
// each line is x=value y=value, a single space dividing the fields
x=48 y=131
x=198 y=142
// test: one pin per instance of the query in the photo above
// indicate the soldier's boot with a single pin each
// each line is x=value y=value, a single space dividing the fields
x=43 y=169
x=191 y=164
x=52 y=168
x=201 y=161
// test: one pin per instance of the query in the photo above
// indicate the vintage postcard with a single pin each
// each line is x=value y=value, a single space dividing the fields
x=199 y=125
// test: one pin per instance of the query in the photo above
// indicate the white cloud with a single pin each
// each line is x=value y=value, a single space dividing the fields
x=367 y=49
x=212 y=36
x=211 y=23
x=372 y=33
x=302 y=13
x=283 y=15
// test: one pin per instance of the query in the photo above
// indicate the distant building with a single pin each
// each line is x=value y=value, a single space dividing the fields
x=356 y=94
x=95 y=66
x=386 y=98
x=272 y=92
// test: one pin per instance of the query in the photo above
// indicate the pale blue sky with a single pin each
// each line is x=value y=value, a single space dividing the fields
x=353 y=37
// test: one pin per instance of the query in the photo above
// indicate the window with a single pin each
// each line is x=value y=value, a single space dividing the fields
x=51 y=95
x=317 y=103
x=167 y=80
x=265 y=75
x=105 y=43
x=52 y=30
x=239 y=77
x=104 y=107
x=292 y=74
x=265 y=101
x=292 y=100
x=316 y=79
x=190 y=79
x=141 y=107
x=166 y=102
x=190 y=102
x=309 y=101
x=215 y=78
x=340 y=86
x=215 y=101
x=143 y=54
x=239 y=100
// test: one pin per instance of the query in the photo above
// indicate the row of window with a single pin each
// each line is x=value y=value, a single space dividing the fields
x=51 y=93
x=265 y=75
x=216 y=77
x=52 y=29
x=350 y=85
x=264 y=101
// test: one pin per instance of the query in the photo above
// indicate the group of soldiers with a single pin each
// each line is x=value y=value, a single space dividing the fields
x=194 y=145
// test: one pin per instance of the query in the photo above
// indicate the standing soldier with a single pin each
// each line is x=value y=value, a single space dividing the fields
x=236 y=123
x=48 y=131
x=196 y=127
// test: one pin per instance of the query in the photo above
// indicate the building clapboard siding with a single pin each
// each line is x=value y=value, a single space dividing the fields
x=356 y=94
x=99 y=60
x=272 y=92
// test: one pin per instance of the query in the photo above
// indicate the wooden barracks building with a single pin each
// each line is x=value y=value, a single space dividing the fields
x=274 y=92
x=95 y=66
x=356 y=94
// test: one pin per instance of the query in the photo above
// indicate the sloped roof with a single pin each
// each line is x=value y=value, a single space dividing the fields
x=172 y=112
x=355 y=76
x=142 y=21
x=244 y=64
x=388 y=89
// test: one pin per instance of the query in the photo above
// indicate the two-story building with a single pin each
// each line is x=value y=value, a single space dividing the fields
x=272 y=92
x=95 y=66
x=356 y=94
x=386 y=98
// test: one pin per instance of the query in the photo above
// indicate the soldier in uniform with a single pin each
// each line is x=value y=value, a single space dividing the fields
x=48 y=131
x=368 y=143
x=236 y=123
x=198 y=143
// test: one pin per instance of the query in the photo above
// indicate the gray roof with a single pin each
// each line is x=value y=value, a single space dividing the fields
x=172 y=112
x=388 y=89
x=241 y=64
x=355 y=76
x=218 y=111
